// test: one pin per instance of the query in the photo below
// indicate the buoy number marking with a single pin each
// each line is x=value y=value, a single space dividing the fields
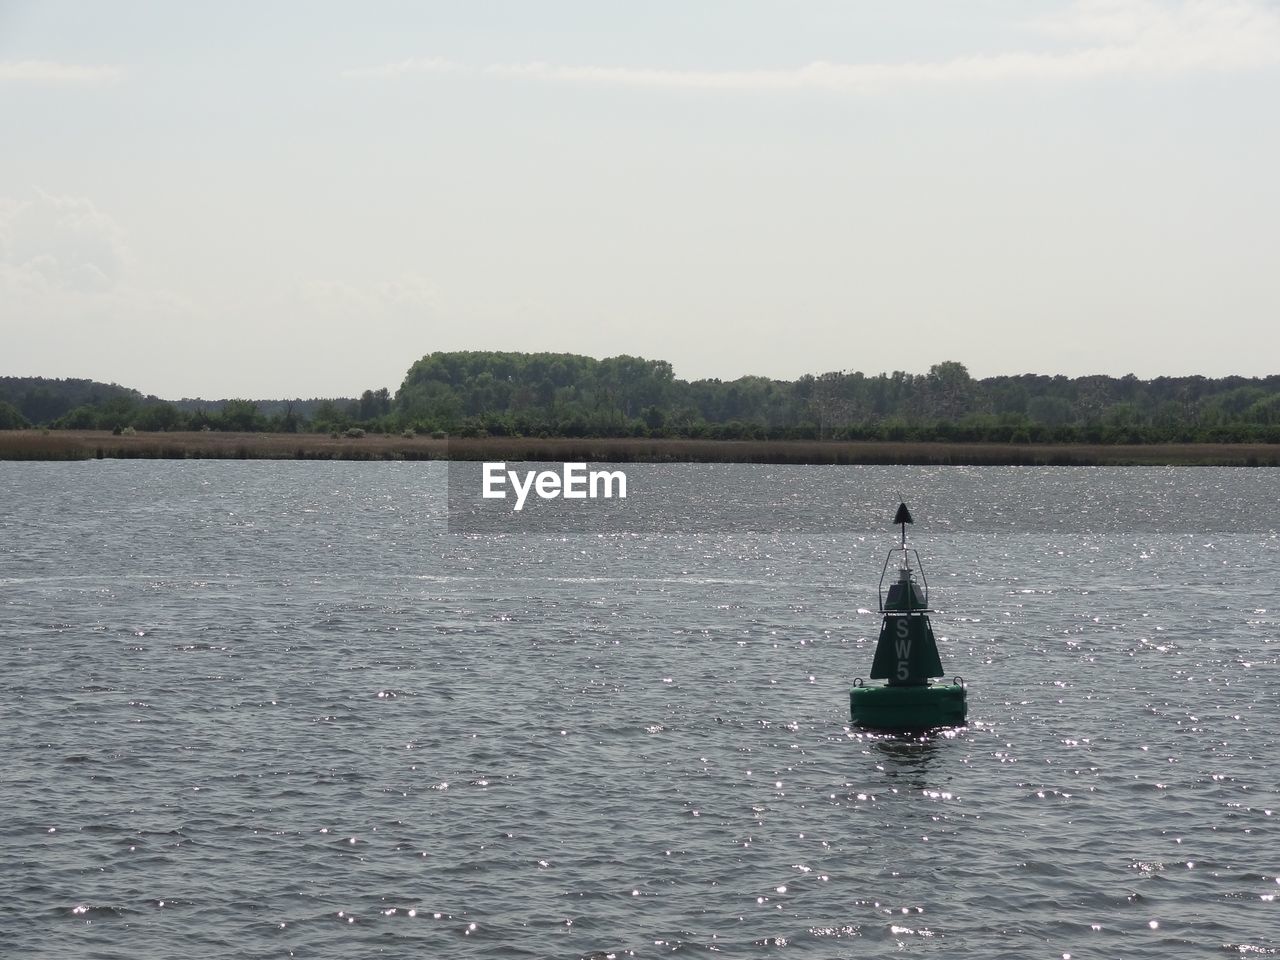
x=902 y=645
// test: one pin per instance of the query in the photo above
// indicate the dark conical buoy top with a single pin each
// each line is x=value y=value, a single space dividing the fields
x=903 y=516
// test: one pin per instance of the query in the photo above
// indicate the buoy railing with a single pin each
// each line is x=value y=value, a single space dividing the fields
x=905 y=553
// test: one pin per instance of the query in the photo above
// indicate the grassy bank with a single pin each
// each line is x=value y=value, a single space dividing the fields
x=91 y=444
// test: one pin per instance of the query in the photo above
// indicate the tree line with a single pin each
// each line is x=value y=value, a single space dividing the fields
x=471 y=394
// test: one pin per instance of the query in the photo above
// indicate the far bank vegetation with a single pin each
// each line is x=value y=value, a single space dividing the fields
x=475 y=395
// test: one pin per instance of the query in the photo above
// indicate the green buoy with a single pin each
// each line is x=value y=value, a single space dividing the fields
x=906 y=655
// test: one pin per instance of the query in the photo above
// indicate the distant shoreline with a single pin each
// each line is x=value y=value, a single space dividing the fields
x=93 y=444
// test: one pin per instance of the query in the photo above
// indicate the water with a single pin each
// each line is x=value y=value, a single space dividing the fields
x=273 y=709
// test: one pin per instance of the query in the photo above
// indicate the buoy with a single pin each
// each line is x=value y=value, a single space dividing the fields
x=906 y=655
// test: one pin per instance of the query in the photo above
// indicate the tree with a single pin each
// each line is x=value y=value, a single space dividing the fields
x=374 y=404
x=241 y=415
x=11 y=418
x=158 y=416
x=949 y=391
x=1051 y=411
x=828 y=402
x=328 y=418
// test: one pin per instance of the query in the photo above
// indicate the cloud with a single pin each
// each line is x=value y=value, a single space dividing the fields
x=68 y=301
x=411 y=65
x=52 y=72
x=1143 y=36
x=52 y=242
x=1096 y=39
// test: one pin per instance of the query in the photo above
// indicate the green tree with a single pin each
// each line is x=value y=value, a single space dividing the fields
x=949 y=391
x=11 y=418
x=1051 y=411
x=158 y=416
x=241 y=415
x=374 y=404
x=328 y=418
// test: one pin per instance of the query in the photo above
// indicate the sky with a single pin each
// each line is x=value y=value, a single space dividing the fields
x=294 y=199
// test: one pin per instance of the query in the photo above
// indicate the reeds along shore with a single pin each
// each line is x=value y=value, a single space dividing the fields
x=90 y=444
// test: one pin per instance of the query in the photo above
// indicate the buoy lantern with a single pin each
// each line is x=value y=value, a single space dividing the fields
x=906 y=655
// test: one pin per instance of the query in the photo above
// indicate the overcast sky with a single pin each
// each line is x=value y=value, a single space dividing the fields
x=276 y=199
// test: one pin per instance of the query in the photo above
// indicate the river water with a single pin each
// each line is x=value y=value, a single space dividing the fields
x=297 y=709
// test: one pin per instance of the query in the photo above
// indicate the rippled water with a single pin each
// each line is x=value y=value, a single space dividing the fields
x=262 y=709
